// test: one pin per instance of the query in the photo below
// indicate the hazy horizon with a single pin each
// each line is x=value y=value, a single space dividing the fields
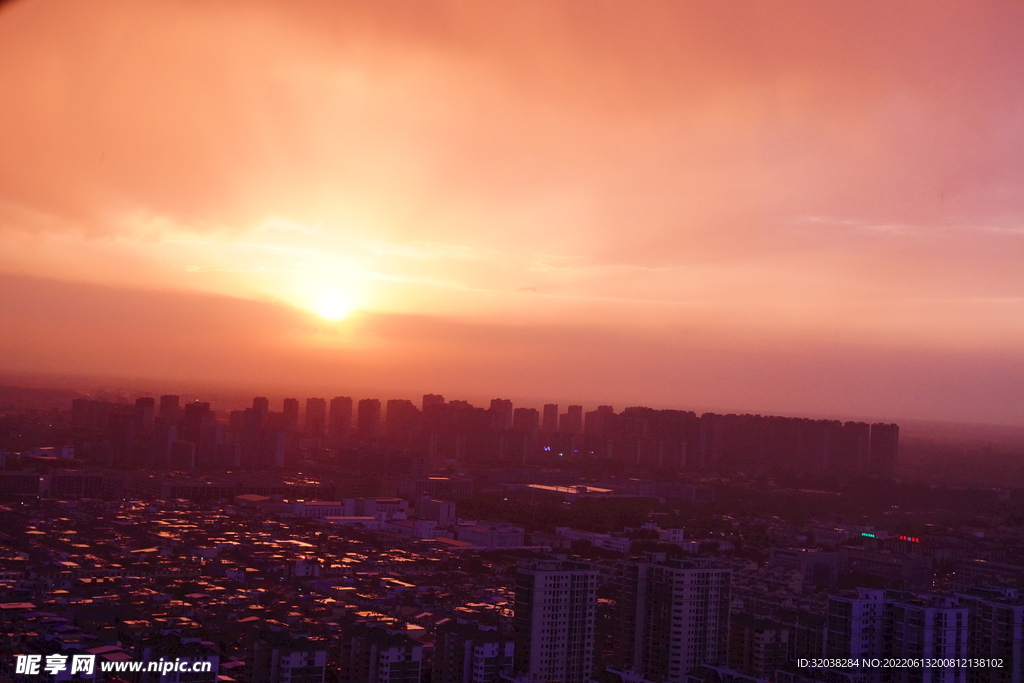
x=238 y=395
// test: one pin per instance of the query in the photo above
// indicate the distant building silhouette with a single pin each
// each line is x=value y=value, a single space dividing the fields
x=432 y=401
x=145 y=413
x=290 y=414
x=526 y=420
x=598 y=421
x=316 y=416
x=170 y=407
x=341 y=417
x=501 y=414
x=549 y=421
x=402 y=419
x=368 y=419
x=447 y=432
x=572 y=420
x=884 y=449
x=195 y=416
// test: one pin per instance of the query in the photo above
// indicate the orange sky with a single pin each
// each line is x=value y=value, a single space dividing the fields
x=803 y=207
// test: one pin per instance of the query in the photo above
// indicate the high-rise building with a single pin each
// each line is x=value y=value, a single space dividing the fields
x=368 y=419
x=272 y=448
x=402 y=418
x=555 y=606
x=316 y=416
x=195 y=416
x=995 y=631
x=183 y=455
x=711 y=440
x=170 y=408
x=852 y=450
x=855 y=625
x=549 y=421
x=466 y=652
x=261 y=403
x=122 y=434
x=199 y=427
x=280 y=657
x=501 y=414
x=599 y=421
x=81 y=412
x=571 y=421
x=526 y=420
x=757 y=647
x=806 y=632
x=161 y=444
x=249 y=437
x=378 y=654
x=883 y=449
x=440 y=511
x=145 y=411
x=929 y=629
x=889 y=624
x=254 y=418
x=290 y=414
x=341 y=417
x=432 y=401
x=673 y=615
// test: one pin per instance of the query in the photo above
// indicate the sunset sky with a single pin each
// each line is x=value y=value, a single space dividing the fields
x=789 y=208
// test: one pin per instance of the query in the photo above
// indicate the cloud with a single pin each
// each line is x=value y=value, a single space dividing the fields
x=277 y=224
x=428 y=250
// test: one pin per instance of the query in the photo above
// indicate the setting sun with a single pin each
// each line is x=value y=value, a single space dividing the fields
x=334 y=306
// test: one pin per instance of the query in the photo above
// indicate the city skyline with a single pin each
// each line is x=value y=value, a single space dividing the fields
x=440 y=434
x=224 y=399
x=54 y=391
x=804 y=209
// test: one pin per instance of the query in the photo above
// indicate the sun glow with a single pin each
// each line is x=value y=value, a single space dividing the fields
x=334 y=306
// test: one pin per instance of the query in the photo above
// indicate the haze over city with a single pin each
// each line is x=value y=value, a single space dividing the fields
x=810 y=208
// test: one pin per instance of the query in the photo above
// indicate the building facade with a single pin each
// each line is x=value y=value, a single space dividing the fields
x=673 y=616
x=554 y=624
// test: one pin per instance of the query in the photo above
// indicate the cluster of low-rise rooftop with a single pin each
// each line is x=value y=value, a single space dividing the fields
x=117 y=579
